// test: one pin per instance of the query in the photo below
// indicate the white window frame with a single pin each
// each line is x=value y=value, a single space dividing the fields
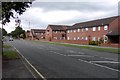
x=94 y=28
x=68 y=31
x=74 y=38
x=82 y=29
x=74 y=30
x=86 y=29
x=82 y=38
x=105 y=27
x=86 y=38
x=94 y=38
x=98 y=28
x=78 y=38
x=68 y=38
x=78 y=30
x=98 y=38
x=71 y=30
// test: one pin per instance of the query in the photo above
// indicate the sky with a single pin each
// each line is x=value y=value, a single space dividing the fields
x=64 y=12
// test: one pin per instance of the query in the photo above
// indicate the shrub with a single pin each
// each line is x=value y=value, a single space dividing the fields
x=93 y=43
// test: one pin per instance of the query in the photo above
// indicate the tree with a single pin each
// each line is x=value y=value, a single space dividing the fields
x=18 y=33
x=4 y=32
x=9 y=7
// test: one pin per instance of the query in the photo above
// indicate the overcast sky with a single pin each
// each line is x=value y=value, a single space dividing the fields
x=65 y=13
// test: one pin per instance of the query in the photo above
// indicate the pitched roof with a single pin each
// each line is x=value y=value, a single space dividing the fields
x=58 y=27
x=38 y=30
x=92 y=23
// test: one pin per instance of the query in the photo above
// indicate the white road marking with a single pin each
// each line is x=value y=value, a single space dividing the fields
x=31 y=66
x=57 y=53
x=99 y=65
x=81 y=55
x=104 y=62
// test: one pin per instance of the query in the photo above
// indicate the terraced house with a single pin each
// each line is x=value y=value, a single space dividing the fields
x=56 y=32
x=37 y=34
x=95 y=30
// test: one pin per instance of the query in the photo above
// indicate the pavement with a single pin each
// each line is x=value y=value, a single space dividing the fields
x=54 y=61
x=15 y=69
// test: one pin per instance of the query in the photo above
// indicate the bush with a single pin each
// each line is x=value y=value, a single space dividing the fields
x=93 y=43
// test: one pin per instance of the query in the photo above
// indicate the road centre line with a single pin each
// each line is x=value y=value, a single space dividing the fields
x=99 y=65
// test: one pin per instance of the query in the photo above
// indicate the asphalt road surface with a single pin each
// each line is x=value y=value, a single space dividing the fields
x=55 y=61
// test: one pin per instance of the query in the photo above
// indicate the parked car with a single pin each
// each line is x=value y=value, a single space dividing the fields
x=11 y=39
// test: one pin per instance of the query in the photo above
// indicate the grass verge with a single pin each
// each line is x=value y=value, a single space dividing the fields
x=85 y=47
x=9 y=54
x=5 y=45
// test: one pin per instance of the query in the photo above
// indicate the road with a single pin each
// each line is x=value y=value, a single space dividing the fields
x=55 y=61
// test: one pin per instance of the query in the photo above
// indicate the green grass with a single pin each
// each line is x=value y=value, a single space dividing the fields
x=10 y=54
x=84 y=47
x=6 y=46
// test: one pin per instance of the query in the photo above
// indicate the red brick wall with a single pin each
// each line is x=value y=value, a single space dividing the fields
x=88 y=33
x=72 y=41
x=58 y=35
x=48 y=35
x=110 y=45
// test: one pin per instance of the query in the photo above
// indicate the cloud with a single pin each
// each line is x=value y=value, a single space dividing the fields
x=68 y=13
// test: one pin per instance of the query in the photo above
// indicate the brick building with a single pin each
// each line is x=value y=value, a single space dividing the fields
x=94 y=30
x=37 y=34
x=56 y=32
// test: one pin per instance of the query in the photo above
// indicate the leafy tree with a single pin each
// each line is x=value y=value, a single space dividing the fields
x=9 y=7
x=18 y=32
x=4 y=32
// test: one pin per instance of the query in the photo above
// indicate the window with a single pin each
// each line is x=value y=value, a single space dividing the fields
x=74 y=30
x=86 y=29
x=78 y=30
x=68 y=38
x=99 y=28
x=98 y=38
x=82 y=38
x=74 y=38
x=94 y=28
x=78 y=38
x=71 y=30
x=86 y=38
x=82 y=29
x=68 y=31
x=94 y=38
x=106 y=27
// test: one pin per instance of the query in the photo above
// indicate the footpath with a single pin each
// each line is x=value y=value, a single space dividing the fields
x=13 y=67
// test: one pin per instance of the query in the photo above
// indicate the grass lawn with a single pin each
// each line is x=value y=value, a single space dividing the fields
x=5 y=45
x=85 y=47
x=10 y=54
